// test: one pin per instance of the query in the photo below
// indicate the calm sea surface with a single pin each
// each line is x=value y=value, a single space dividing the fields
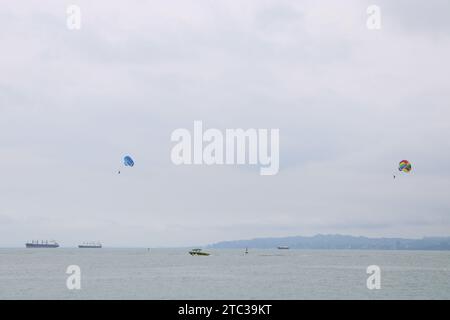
x=226 y=274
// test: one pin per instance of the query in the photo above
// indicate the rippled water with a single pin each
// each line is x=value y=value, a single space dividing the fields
x=226 y=274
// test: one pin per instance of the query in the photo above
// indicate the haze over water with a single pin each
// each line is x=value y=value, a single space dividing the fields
x=226 y=274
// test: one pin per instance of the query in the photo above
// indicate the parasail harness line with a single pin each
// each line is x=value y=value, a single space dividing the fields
x=128 y=162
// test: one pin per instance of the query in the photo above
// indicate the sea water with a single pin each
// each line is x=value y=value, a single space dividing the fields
x=225 y=274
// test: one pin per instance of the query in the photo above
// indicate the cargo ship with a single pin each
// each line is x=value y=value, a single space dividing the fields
x=42 y=244
x=90 y=245
x=283 y=247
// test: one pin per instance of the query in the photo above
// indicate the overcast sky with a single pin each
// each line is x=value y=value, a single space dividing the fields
x=350 y=103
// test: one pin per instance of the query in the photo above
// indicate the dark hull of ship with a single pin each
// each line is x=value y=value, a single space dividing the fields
x=41 y=245
x=89 y=247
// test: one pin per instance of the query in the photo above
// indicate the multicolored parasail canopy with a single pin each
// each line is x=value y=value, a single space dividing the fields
x=404 y=166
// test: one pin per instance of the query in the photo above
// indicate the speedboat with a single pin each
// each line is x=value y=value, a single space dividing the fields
x=198 y=252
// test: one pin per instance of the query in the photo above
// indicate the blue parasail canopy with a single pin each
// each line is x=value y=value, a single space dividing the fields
x=128 y=162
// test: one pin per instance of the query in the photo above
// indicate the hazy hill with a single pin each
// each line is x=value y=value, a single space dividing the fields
x=340 y=242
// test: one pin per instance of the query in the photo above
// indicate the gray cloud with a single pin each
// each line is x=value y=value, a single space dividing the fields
x=350 y=103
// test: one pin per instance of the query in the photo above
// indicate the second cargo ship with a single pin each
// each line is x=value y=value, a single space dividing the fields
x=87 y=245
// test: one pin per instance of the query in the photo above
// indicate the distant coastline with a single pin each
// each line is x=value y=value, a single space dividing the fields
x=319 y=241
x=338 y=242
